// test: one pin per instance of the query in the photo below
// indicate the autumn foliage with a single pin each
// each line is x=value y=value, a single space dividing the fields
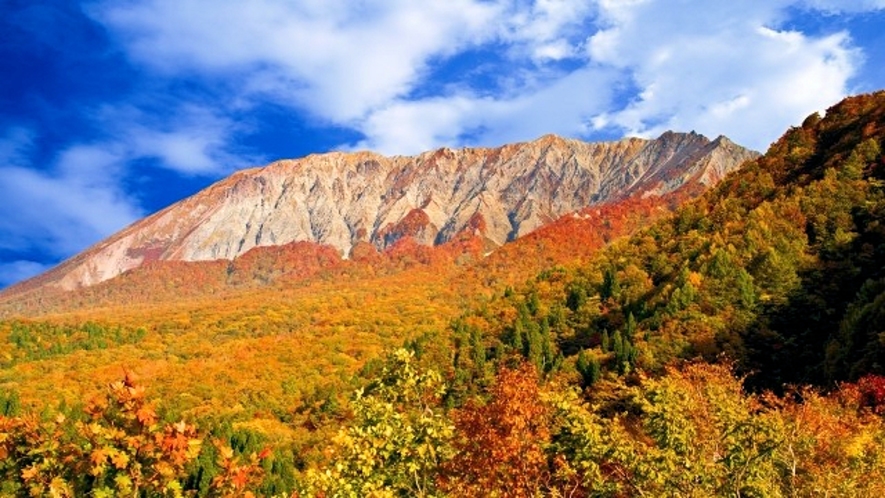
x=500 y=444
x=118 y=449
x=732 y=347
x=693 y=431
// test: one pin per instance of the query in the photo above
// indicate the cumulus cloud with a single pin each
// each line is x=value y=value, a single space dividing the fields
x=561 y=107
x=723 y=68
x=357 y=66
x=547 y=29
x=719 y=71
x=336 y=58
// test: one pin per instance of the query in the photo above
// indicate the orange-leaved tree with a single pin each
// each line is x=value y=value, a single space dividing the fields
x=501 y=444
x=120 y=449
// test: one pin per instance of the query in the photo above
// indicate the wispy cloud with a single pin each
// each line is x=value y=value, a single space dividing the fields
x=334 y=58
x=560 y=106
x=63 y=208
x=78 y=196
x=193 y=140
x=16 y=271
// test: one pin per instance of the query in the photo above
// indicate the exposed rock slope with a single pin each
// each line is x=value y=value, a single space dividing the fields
x=340 y=199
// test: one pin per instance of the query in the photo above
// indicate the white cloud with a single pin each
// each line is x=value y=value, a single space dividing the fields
x=16 y=271
x=722 y=67
x=61 y=210
x=336 y=58
x=196 y=142
x=562 y=107
x=347 y=65
x=721 y=70
x=91 y=165
x=718 y=70
x=547 y=29
x=408 y=127
x=78 y=197
x=189 y=139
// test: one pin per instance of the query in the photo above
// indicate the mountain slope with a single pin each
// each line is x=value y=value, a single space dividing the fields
x=345 y=199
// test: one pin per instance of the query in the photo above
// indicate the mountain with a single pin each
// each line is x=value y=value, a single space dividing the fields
x=584 y=358
x=344 y=200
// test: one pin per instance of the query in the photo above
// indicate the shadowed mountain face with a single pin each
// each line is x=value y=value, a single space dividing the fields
x=345 y=199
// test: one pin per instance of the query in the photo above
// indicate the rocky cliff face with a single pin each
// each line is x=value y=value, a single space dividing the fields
x=341 y=199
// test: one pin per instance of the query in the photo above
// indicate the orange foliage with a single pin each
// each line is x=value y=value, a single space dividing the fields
x=237 y=476
x=500 y=445
x=120 y=450
x=574 y=239
x=260 y=336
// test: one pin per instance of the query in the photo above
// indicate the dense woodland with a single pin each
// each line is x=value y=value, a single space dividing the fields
x=731 y=347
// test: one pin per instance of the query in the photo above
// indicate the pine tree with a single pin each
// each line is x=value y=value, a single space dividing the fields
x=611 y=287
x=477 y=352
x=589 y=368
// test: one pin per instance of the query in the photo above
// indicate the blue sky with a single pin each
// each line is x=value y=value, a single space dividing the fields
x=113 y=109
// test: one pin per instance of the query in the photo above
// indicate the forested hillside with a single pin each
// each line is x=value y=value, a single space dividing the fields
x=731 y=348
x=779 y=268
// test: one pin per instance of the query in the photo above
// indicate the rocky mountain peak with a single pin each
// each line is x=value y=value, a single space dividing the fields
x=344 y=199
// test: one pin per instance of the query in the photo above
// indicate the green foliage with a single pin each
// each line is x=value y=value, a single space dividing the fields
x=611 y=287
x=625 y=353
x=766 y=269
x=693 y=432
x=577 y=296
x=589 y=368
x=397 y=441
x=31 y=340
x=708 y=440
x=241 y=460
x=10 y=403
x=860 y=345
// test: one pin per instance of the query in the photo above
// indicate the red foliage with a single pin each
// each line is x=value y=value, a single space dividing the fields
x=296 y=260
x=872 y=393
x=412 y=225
x=501 y=444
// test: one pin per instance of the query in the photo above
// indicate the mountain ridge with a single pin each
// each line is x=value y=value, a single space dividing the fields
x=342 y=199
